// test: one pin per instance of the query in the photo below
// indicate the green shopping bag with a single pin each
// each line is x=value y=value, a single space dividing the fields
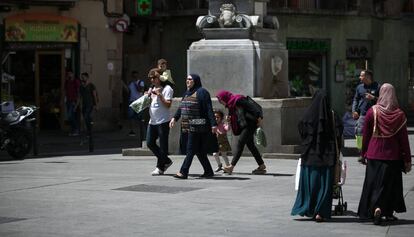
x=358 y=141
x=141 y=103
x=260 y=137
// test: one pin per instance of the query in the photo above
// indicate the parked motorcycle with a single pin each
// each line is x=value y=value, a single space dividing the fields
x=16 y=132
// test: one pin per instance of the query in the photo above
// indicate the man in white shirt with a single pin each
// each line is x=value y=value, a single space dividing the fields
x=161 y=94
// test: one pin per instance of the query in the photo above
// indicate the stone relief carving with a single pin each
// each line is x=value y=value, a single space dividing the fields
x=228 y=19
x=276 y=66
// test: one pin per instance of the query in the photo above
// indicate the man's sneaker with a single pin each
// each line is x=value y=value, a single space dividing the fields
x=219 y=168
x=157 y=172
x=166 y=166
x=260 y=170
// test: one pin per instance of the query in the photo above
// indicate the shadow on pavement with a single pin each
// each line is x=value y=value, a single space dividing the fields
x=52 y=143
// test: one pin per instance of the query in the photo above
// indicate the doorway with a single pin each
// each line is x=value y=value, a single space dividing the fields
x=49 y=86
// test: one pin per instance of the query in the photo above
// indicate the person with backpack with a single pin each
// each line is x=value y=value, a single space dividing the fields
x=245 y=117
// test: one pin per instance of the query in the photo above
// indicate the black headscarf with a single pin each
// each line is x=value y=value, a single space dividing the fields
x=317 y=131
x=196 y=86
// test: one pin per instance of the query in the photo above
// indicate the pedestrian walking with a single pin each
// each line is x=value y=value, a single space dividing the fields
x=223 y=143
x=386 y=148
x=158 y=127
x=366 y=95
x=89 y=99
x=198 y=127
x=318 y=128
x=72 y=85
x=244 y=120
x=136 y=88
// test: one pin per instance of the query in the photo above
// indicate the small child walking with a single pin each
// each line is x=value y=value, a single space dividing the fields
x=224 y=146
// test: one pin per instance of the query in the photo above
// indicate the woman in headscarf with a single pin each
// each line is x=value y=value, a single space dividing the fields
x=386 y=148
x=244 y=120
x=198 y=126
x=318 y=128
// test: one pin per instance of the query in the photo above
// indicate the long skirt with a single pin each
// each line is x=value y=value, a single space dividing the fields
x=382 y=189
x=315 y=192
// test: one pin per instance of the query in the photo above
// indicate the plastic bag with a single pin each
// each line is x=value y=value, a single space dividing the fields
x=260 y=137
x=297 y=176
x=141 y=103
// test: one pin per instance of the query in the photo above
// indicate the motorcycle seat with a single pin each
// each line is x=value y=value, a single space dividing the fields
x=11 y=117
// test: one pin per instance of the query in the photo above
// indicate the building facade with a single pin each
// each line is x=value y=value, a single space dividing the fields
x=329 y=43
x=41 y=40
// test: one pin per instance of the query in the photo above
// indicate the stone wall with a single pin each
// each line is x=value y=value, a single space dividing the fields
x=281 y=117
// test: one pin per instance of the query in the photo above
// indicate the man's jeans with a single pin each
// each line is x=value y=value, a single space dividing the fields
x=72 y=116
x=359 y=125
x=160 y=131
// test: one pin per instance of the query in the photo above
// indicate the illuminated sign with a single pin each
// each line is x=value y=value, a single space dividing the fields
x=144 y=7
x=40 y=28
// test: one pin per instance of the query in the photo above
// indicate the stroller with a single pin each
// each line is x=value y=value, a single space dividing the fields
x=340 y=171
x=340 y=176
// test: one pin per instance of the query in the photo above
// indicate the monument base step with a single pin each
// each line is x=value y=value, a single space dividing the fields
x=136 y=152
x=280 y=156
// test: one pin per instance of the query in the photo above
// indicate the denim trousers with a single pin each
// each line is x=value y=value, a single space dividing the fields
x=196 y=145
x=72 y=116
x=87 y=116
x=162 y=132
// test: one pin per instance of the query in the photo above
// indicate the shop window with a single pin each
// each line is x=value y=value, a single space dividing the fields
x=358 y=58
x=307 y=65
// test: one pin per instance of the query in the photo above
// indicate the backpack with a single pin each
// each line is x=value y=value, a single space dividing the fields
x=242 y=116
x=255 y=105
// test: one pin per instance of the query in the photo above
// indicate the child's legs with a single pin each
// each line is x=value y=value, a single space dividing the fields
x=217 y=157
x=225 y=158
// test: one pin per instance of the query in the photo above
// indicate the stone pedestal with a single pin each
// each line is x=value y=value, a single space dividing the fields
x=281 y=117
x=243 y=66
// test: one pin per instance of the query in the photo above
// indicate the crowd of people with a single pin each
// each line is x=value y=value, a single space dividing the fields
x=381 y=130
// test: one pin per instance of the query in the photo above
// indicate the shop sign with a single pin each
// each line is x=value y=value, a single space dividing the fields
x=307 y=45
x=358 y=49
x=40 y=28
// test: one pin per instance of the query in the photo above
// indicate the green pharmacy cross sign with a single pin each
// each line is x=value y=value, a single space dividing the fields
x=144 y=7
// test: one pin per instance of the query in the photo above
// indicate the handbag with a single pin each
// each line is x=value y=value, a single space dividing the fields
x=141 y=103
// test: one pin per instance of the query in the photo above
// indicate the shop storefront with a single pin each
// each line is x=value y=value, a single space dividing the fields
x=307 y=65
x=41 y=48
x=358 y=58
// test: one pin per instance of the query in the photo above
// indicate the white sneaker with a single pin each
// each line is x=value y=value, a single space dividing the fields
x=157 y=172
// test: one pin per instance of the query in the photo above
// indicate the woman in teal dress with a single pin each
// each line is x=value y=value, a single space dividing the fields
x=319 y=150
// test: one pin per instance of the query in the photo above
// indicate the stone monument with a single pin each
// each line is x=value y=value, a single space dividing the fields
x=240 y=51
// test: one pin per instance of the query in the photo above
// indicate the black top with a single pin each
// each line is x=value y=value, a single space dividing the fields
x=317 y=131
x=251 y=113
x=86 y=93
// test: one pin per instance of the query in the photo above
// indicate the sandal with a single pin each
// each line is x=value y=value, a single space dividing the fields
x=180 y=176
x=228 y=169
x=260 y=170
x=319 y=218
x=377 y=216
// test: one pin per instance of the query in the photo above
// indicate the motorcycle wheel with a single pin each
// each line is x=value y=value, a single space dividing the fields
x=20 y=143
